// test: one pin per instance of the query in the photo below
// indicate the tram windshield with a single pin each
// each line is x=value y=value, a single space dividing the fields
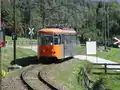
x=47 y=39
x=50 y=39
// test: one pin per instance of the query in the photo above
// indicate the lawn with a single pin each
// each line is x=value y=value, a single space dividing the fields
x=18 y=38
x=7 y=55
x=113 y=54
x=68 y=75
x=111 y=78
x=80 y=49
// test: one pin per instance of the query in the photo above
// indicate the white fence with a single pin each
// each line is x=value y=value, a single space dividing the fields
x=22 y=42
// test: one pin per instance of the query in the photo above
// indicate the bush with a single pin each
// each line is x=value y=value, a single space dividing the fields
x=99 y=84
x=88 y=66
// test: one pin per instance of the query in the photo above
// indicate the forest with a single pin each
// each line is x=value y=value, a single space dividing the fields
x=98 y=20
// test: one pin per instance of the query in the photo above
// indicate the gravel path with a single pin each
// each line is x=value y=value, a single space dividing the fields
x=31 y=77
x=12 y=82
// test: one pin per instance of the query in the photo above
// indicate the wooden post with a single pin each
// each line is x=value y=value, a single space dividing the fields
x=105 y=68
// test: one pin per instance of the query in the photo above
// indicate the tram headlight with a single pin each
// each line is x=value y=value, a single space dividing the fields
x=53 y=51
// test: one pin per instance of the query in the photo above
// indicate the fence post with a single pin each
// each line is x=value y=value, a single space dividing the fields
x=105 y=67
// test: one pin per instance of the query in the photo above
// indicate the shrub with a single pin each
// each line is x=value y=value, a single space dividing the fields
x=99 y=84
x=88 y=66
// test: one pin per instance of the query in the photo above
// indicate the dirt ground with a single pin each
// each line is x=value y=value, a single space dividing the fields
x=12 y=82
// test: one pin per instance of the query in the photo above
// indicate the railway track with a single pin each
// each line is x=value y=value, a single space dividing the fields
x=32 y=79
x=23 y=79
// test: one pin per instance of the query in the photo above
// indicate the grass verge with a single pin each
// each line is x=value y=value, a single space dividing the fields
x=111 y=78
x=67 y=74
x=18 y=38
x=7 y=55
x=113 y=54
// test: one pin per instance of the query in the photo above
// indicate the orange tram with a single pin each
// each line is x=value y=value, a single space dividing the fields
x=56 y=43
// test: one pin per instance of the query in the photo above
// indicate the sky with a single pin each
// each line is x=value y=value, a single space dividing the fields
x=105 y=0
x=118 y=0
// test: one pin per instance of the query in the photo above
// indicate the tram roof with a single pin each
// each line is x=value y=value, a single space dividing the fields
x=57 y=31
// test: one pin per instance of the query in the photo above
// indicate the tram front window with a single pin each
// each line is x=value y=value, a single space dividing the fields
x=46 y=39
x=56 y=40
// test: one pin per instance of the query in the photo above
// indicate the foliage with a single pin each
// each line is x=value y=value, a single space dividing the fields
x=88 y=66
x=7 y=56
x=99 y=84
x=96 y=20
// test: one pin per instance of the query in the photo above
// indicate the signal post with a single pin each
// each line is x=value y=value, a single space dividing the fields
x=2 y=44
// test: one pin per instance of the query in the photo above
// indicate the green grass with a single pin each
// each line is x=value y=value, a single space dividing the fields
x=18 y=38
x=113 y=54
x=80 y=49
x=68 y=74
x=7 y=55
x=111 y=78
x=110 y=81
x=113 y=82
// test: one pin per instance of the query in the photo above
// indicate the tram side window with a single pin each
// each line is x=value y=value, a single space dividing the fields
x=69 y=39
x=65 y=39
x=62 y=39
x=73 y=40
